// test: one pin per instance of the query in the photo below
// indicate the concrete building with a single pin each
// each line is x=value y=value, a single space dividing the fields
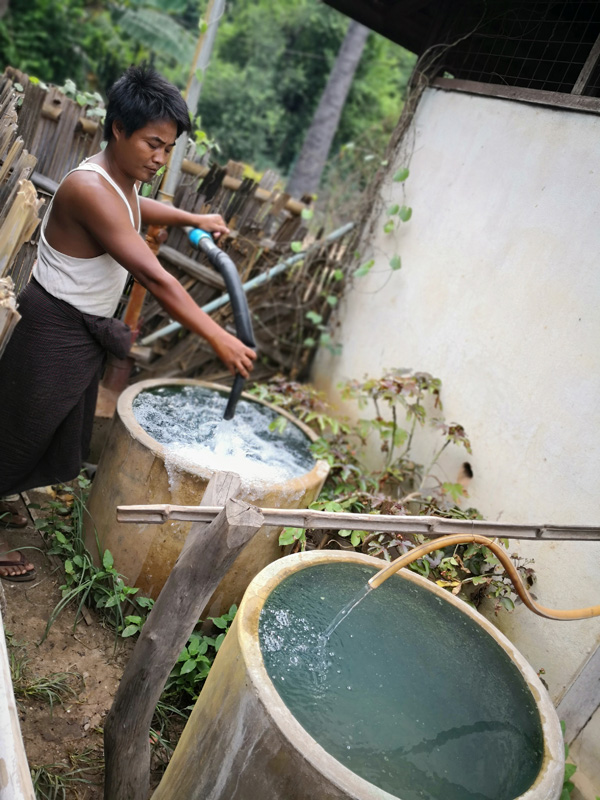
x=499 y=291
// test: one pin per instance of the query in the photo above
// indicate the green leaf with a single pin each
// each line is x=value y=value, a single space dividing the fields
x=314 y=317
x=202 y=25
x=389 y=226
x=405 y=213
x=401 y=175
x=570 y=770
x=220 y=622
x=296 y=247
x=18 y=87
x=338 y=275
x=392 y=210
x=146 y=189
x=355 y=539
x=364 y=269
x=219 y=641
x=332 y=300
x=395 y=262
x=81 y=99
x=287 y=536
x=188 y=666
x=107 y=560
x=507 y=603
x=69 y=567
x=130 y=630
x=307 y=213
x=309 y=342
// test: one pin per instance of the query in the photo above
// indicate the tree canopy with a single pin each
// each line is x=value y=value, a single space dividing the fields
x=268 y=71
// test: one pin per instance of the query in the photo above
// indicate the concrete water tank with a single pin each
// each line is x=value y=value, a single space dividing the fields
x=137 y=469
x=462 y=715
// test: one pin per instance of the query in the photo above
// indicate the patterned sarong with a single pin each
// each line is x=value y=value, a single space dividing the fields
x=49 y=377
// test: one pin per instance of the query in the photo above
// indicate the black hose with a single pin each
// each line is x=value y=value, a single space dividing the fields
x=241 y=314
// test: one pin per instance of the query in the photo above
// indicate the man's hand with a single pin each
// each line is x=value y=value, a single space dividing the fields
x=233 y=353
x=211 y=223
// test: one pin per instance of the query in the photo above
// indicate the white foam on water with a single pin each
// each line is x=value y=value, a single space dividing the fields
x=189 y=423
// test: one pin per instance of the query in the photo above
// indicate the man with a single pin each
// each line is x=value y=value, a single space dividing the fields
x=89 y=242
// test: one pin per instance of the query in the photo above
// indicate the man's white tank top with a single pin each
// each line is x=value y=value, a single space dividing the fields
x=92 y=285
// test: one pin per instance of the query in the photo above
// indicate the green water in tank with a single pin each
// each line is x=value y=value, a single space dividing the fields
x=408 y=692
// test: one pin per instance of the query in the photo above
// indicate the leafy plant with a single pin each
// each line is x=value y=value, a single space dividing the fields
x=196 y=659
x=99 y=587
x=570 y=770
x=403 y=403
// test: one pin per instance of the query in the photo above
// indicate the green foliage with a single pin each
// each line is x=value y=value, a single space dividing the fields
x=570 y=770
x=403 y=403
x=103 y=589
x=58 y=781
x=269 y=70
x=196 y=659
x=42 y=37
x=56 y=687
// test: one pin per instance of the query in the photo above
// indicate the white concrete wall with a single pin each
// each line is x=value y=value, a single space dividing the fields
x=499 y=296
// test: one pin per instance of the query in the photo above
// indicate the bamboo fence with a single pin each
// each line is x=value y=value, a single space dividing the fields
x=19 y=209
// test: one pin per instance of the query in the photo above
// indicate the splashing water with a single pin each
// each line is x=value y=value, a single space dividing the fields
x=188 y=422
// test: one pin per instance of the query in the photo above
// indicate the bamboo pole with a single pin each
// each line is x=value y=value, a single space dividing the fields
x=388 y=523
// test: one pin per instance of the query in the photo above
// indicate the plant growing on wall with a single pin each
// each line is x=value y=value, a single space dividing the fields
x=404 y=404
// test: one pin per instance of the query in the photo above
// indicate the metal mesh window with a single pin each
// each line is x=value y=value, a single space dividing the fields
x=525 y=43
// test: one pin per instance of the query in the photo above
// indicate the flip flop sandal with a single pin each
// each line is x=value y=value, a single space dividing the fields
x=28 y=576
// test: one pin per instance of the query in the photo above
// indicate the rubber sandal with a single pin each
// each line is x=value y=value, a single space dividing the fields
x=27 y=576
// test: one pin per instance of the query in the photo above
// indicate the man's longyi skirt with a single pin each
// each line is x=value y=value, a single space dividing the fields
x=49 y=376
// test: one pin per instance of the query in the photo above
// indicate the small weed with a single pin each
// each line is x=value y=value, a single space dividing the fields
x=101 y=588
x=570 y=770
x=56 y=687
x=195 y=660
x=53 y=781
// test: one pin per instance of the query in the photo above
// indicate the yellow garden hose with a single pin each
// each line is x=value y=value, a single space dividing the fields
x=503 y=557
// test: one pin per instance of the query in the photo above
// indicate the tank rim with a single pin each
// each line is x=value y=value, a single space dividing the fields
x=550 y=777
x=124 y=410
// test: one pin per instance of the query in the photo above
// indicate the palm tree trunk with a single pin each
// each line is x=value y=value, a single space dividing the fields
x=308 y=169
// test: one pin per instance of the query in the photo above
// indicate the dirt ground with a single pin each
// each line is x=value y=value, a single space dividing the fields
x=67 y=737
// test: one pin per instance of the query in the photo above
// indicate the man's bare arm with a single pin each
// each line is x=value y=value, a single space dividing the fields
x=155 y=213
x=103 y=214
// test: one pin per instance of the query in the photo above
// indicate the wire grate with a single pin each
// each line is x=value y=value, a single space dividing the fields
x=525 y=43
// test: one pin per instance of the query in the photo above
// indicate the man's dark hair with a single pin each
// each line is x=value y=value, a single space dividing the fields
x=141 y=96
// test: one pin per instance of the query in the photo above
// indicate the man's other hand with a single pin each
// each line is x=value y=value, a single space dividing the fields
x=211 y=223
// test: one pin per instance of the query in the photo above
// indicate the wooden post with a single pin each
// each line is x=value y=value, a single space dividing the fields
x=208 y=553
